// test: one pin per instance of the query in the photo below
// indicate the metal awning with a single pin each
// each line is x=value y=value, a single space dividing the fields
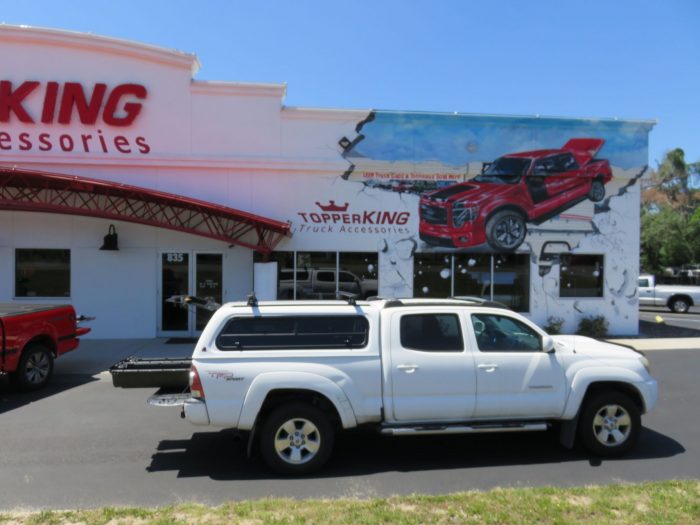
x=27 y=190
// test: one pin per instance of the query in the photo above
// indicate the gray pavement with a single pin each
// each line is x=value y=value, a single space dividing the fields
x=82 y=443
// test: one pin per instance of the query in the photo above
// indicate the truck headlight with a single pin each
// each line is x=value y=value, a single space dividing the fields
x=645 y=363
x=463 y=212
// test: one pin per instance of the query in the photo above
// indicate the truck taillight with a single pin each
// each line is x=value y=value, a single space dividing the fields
x=195 y=384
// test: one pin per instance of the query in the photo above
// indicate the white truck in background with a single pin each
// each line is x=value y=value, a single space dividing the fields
x=676 y=297
x=292 y=374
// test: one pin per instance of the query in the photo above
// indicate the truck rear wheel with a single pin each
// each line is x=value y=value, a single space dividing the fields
x=610 y=424
x=679 y=305
x=35 y=367
x=296 y=439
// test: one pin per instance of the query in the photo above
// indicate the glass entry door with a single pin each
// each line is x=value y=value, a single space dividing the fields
x=188 y=273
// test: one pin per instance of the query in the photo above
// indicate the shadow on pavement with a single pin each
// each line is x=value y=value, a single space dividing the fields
x=219 y=456
x=12 y=398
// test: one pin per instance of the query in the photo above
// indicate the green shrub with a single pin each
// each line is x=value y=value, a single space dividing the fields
x=554 y=325
x=593 y=326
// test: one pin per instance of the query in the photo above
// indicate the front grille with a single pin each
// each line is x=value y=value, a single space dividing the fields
x=444 y=242
x=434 y=214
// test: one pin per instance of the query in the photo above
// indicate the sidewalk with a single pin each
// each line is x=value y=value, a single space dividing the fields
x=94 y=356
x=97 y=355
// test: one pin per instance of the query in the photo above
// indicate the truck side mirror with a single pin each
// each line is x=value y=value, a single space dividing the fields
x=548 y=344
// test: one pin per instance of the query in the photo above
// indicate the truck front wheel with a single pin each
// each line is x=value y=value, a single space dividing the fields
x=610 y=424
x=296 y=439
x=506 y=230
x=35 y=367
x=597 y=191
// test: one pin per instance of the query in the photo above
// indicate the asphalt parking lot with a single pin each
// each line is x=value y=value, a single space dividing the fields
x=658 y=321
x=83 y=443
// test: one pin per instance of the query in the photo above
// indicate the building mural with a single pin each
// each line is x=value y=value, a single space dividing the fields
x=544 y=190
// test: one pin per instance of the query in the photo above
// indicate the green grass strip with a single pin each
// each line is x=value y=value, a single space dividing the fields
x=665 y=502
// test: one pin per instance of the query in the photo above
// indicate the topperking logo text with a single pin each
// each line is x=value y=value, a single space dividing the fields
x=334 y=218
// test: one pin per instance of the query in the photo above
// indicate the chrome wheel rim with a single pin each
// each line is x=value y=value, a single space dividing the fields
x=509 y=232
x=297 y=441
x=38 y=367
x=612 y=425
x=680 y=306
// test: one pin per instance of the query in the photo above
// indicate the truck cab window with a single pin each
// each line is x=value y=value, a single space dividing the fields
x=431 y=333
x=498 y=333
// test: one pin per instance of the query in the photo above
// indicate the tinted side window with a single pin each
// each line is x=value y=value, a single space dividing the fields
x=290 y=332
x=346 y=277
x=498 y=333
x=567 y=162
x=644 y=283
x=431 y=332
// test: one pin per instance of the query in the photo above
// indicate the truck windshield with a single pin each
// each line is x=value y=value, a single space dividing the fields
x=504 y=170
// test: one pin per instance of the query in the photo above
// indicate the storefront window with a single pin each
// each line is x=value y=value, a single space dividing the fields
x=432 y=275
x=473 y=275
x=42 y=273
x=504 y=278
x=359 y=273
x=511 y=280
x=320 y=274
x=581 y=276
x=315 y=277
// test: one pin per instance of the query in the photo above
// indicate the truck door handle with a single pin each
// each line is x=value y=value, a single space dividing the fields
x=490 y=367
x=408 y=368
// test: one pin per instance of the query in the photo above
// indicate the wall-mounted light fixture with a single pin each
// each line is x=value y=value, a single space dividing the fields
x=111 y=241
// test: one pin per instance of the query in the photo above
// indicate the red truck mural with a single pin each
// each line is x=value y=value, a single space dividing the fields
x=531 y=186
x=32 y=337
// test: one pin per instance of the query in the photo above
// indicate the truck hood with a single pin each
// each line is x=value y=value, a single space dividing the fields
x=594 y=348
x=473 y=192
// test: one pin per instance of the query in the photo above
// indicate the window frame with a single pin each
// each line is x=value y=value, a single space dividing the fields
x=602 y=278
x=15 y=267
x=460 y=335
x=533 y=329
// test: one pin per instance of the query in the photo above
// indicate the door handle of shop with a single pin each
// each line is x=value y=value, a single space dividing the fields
x=490 y=367
x=408 y=368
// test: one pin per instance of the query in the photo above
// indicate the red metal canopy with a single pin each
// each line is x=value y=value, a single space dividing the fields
x=27 y=190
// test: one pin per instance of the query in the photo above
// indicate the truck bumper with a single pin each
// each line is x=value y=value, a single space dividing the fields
x=650 y=392
x=196 y=412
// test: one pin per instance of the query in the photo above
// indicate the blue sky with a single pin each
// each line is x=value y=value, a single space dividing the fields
x=626 y=59
x=420 y=137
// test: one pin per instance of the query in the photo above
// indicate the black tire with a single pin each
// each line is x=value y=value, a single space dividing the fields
x=610 y=424
x=35 y=367
x=597 y=191
x=310 y=435
x=679 y=305
x=506 y=230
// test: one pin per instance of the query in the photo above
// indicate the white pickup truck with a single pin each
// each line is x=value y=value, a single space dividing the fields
x=293 y=374
x=677 y=297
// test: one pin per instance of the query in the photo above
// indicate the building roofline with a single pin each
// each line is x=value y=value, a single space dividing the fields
x=88 y=41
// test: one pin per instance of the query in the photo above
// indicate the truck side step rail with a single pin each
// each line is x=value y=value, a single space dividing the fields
x=425 y=430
